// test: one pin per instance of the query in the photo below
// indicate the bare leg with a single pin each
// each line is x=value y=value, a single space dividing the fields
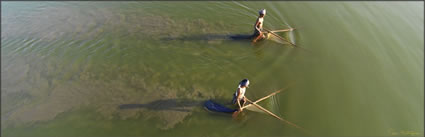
x=258 y=37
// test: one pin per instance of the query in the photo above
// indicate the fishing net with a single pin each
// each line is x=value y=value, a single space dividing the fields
x=288 y=37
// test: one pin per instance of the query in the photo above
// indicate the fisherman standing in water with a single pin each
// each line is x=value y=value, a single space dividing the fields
x=239 y=96
x=258 y=27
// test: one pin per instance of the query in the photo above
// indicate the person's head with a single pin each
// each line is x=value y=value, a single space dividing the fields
x=244 y=83
x=262 y=12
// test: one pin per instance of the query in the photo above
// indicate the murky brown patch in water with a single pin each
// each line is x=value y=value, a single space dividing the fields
x=38 y=90
x=52 y=23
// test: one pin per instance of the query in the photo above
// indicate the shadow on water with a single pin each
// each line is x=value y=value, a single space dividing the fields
x=208 y=37
x=165 y=104
x=258 y=47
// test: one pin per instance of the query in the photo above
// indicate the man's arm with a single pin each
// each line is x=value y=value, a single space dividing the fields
x=237 y=99
x=256 y=25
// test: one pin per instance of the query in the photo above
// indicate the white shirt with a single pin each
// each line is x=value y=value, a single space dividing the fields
x=242 y=90
x=261 y=23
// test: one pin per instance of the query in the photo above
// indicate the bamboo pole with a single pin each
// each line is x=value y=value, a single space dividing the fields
x=236 y=113
x=265 y=97
x=279 y=37
x=272 y=32
x=265 y=110
x=283 y=30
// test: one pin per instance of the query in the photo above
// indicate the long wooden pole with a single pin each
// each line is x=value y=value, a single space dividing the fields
x=279 y=37
x=265 y=97
x=236 y=113
x=265 y=110
x=272 y=32
x=283 y=30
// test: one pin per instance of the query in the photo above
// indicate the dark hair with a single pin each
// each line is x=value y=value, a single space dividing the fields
x=243 y=82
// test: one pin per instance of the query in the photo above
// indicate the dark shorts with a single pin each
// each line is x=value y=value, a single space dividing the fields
x=256 y=34
x=234 y=100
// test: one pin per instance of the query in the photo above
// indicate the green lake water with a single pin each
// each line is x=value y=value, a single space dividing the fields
x=146 y=68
